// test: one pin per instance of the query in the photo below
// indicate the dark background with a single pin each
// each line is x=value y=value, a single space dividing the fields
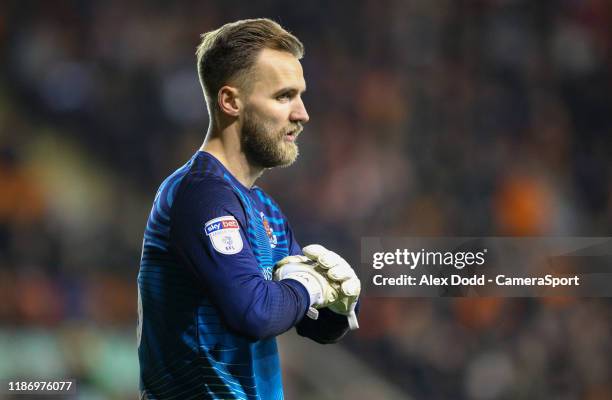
x=443 y=118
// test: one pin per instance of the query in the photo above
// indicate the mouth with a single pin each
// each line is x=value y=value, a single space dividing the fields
x=292 y=135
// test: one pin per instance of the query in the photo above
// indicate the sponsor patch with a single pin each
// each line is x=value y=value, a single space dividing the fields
x=224 y=234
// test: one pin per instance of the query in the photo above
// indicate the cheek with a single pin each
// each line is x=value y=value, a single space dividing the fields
x=274 y=115
x=277 y=112
x=276 y=125
x=279 y=117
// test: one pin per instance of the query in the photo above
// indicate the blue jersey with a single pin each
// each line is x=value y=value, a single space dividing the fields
x=208 y=309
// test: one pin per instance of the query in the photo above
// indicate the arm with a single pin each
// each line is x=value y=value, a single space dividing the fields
x=232 y=279
x=329 y=327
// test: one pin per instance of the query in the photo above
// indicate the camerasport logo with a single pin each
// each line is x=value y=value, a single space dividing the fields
x=224 y=234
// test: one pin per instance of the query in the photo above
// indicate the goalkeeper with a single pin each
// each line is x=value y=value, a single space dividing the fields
x=221 y=273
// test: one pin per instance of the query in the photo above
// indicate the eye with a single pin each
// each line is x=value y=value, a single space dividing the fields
x=283 y=97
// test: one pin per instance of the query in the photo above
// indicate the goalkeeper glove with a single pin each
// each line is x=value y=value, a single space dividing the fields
x=340 y=272
x=303 y=270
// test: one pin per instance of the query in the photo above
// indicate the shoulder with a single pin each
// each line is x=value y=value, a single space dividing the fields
x=205 y=188
x=204 y=181
x=204 y=196
x=200 y=176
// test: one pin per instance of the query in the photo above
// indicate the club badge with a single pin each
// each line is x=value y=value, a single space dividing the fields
x=269 y=231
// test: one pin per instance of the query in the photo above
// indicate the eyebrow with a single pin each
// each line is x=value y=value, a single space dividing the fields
x=289 y=90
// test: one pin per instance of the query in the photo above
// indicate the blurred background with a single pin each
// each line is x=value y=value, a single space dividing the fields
x=450 y=118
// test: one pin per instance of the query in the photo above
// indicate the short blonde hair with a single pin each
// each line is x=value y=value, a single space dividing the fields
x=227 y=54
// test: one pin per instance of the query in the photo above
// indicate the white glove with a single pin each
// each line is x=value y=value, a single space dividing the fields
x=340 y=272
x=322 y=292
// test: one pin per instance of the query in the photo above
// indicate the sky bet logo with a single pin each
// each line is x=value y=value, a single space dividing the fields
x=227 y=222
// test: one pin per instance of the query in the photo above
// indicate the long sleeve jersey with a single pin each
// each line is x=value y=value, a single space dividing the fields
x=209 y=310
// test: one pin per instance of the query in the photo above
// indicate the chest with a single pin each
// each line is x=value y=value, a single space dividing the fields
x=266 y=232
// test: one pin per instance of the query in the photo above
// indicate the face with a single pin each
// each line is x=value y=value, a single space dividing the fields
x=274 y=112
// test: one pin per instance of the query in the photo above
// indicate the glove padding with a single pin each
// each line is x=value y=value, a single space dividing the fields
x=322 y=291
x=338 y=271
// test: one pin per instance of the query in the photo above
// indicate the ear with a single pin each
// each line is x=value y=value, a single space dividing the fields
x=229 y=100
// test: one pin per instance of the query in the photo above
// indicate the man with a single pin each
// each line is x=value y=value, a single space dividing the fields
x=221 y=273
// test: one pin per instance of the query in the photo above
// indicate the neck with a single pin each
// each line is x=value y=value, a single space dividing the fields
x=224 y=144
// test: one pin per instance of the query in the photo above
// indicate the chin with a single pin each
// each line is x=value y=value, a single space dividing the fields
x=289 y=155
x=285 y=161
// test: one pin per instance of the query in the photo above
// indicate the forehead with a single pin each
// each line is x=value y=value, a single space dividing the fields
x=275 y=70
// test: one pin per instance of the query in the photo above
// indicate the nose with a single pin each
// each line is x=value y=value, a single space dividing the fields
x=299 y=113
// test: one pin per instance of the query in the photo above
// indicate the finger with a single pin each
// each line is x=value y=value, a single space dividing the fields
x=330 y=260
x=341 y=273
x=351 y=287
x=313 y=251
x=293 y=259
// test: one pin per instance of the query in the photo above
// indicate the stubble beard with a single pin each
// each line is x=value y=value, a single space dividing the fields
x=266 y=147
